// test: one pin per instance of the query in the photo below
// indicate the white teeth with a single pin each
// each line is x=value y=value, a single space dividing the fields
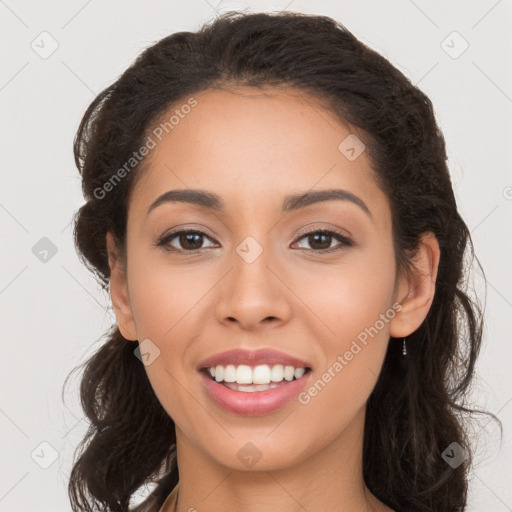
x=230 y=373
x=261 y=375
x=250 y=388
x=244 y=374
x=277 y=373
x=288 y=372
x=299 y=372
x=219 y=373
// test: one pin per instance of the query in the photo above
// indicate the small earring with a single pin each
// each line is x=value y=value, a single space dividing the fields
x=404 y=348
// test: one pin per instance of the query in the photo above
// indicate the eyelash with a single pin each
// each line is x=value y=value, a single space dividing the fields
x=344 y=240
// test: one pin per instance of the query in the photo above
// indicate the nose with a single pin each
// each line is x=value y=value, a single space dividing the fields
x=253 y=293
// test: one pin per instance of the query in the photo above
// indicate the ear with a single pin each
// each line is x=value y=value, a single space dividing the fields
x=119 y=293
x=416 y=291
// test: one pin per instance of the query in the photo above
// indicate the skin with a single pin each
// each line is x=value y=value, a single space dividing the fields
x=252 y=147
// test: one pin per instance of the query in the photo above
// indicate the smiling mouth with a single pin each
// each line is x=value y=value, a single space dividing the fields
x=254 y=387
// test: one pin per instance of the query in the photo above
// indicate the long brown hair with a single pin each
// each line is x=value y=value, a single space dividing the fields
x=416 y=410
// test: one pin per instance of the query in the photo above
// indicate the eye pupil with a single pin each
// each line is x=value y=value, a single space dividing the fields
x=323 y=246
x=185 y=238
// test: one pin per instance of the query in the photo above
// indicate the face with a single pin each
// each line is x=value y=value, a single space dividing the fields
x=315 y=281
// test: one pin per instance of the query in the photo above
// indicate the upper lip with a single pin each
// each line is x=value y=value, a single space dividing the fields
x=252 y=358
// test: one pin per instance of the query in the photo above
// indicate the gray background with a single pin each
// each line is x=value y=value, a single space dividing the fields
x=54 y=313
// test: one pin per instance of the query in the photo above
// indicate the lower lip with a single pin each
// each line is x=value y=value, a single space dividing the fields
x=253 y=403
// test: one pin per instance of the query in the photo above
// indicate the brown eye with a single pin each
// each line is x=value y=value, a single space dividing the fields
x=321 y=240
x=190 y=241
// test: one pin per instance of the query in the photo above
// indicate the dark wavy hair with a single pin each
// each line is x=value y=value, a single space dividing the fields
x=417 y=409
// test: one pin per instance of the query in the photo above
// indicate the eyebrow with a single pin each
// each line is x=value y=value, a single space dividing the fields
x=211 y=201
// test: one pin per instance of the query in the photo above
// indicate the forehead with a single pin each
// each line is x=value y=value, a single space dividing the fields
x=250 y=145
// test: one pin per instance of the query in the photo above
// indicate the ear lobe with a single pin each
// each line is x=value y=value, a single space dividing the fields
x=416 y=290
x=119 y=291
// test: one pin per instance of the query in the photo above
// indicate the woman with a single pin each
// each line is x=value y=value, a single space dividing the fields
x=269 y=205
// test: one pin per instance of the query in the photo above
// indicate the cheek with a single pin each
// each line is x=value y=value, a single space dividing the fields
x=350 y=297
x=164 y=295
x=170 y=303
x=163 y=298
x=355 y=306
